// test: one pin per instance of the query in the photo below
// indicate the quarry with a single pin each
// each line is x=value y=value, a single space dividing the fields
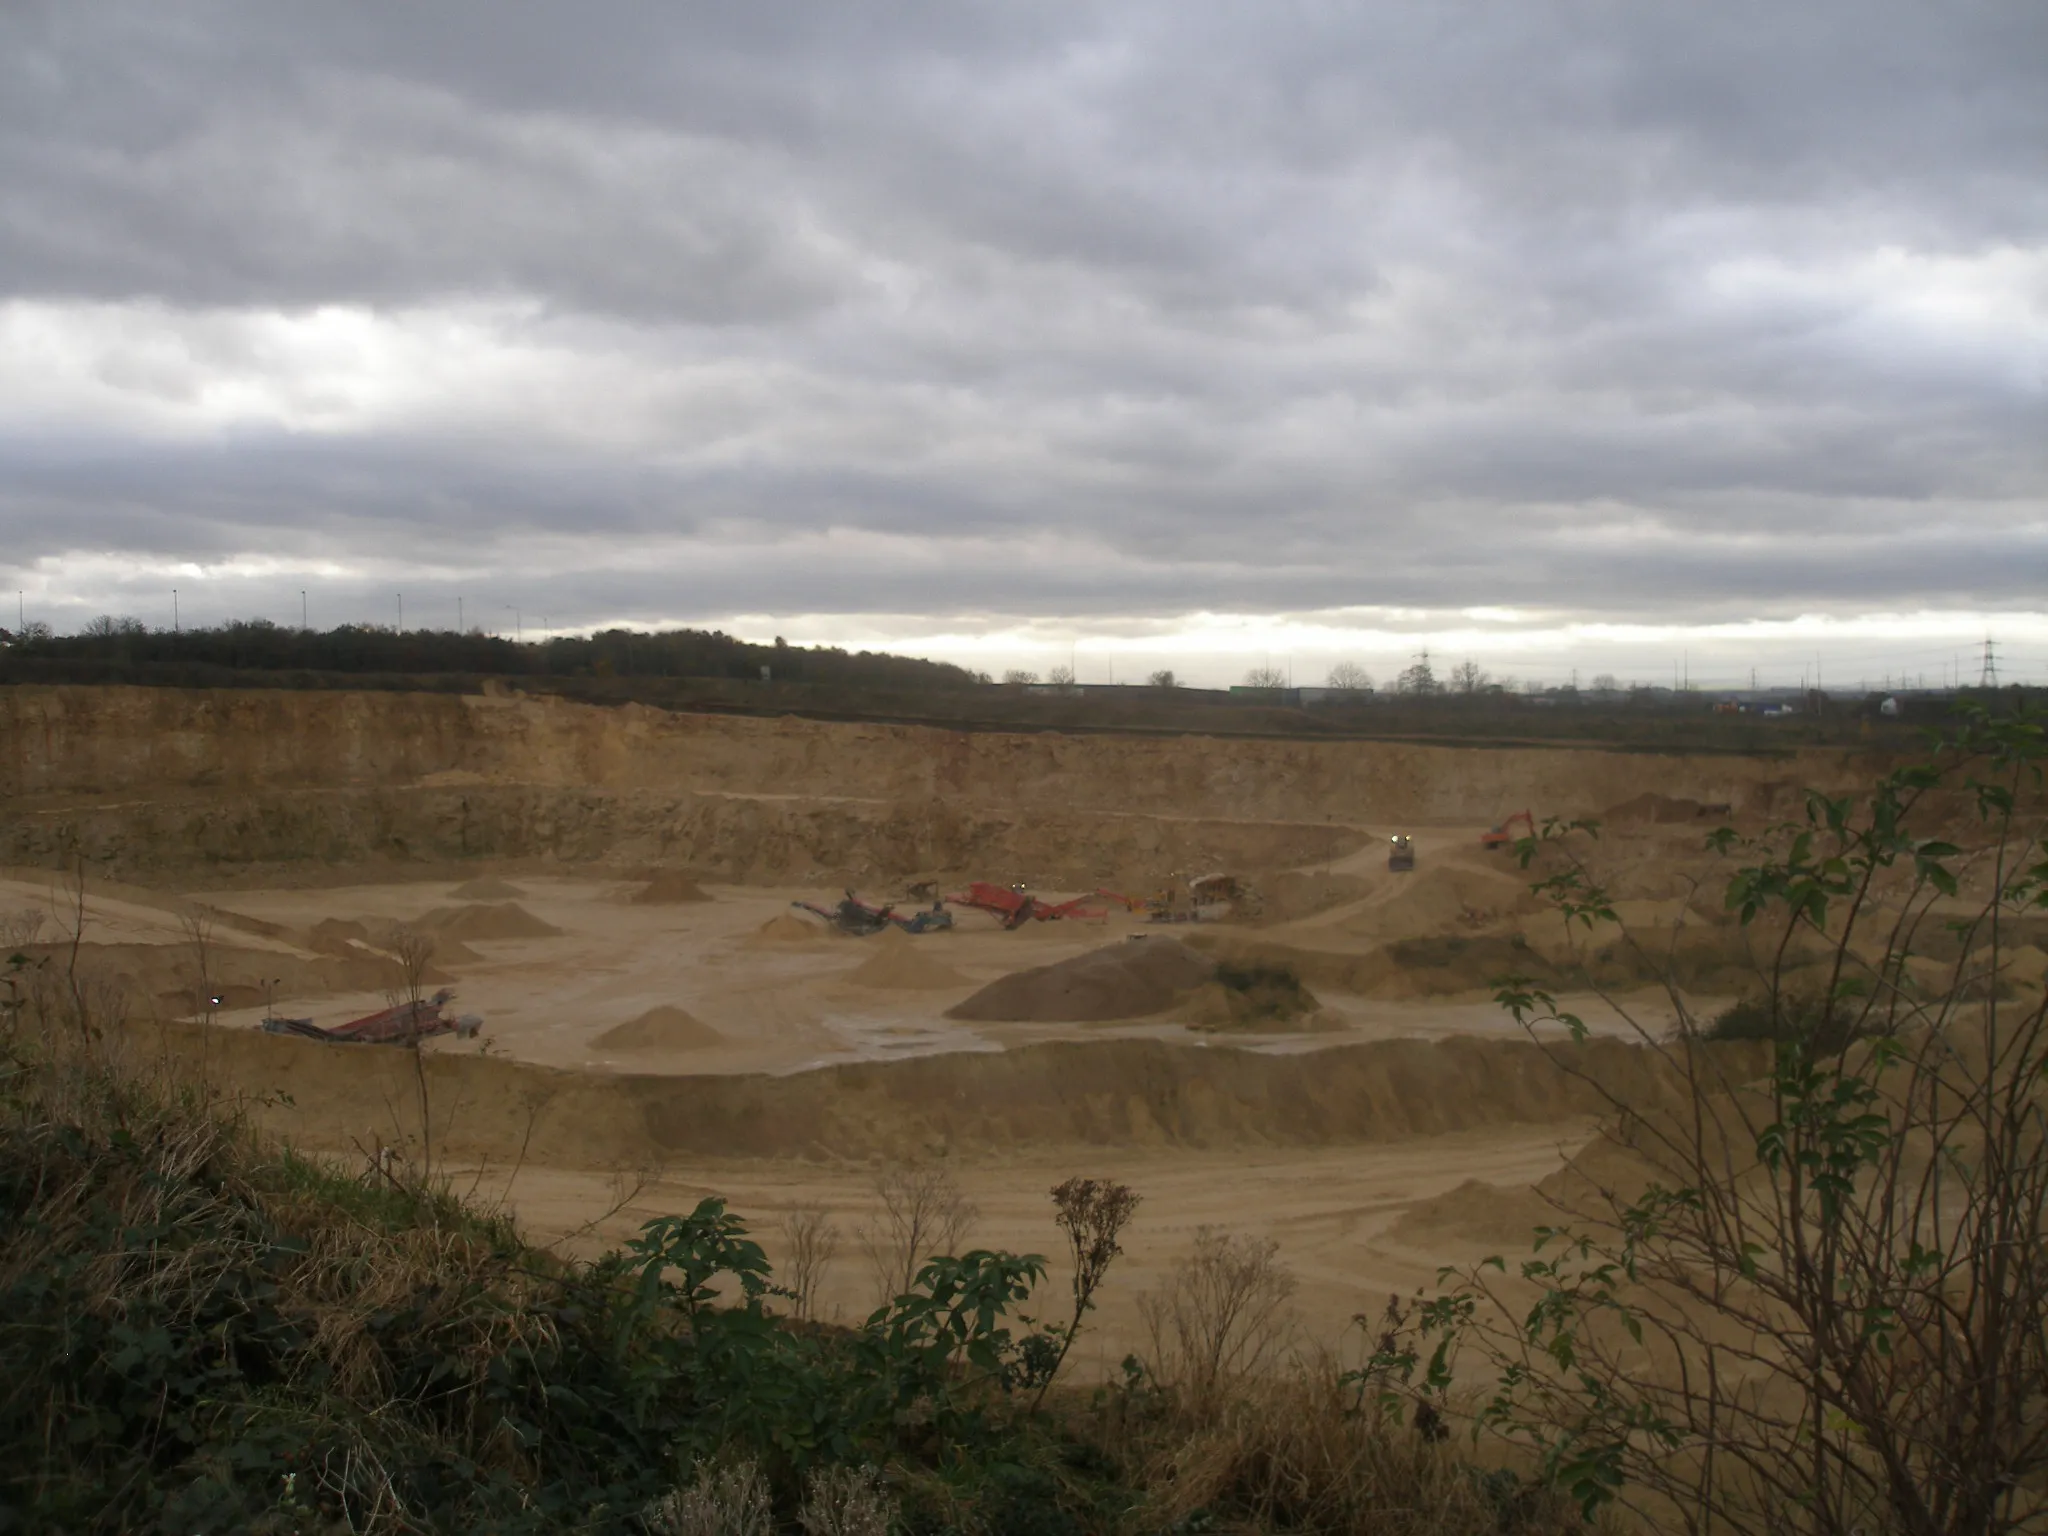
x=610 y=890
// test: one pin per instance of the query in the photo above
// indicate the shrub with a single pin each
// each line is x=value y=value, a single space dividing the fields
x=1818 y=1298
x=1220 y=1319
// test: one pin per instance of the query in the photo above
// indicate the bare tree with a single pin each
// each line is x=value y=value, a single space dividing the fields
x=1265 y=677
x=1020 y=677
x=923 y=1213
x=206 y=993
x=413 y=949
x=1221 y=1316
x=18 y=928
x=1419 y=678
x=1350 y=677
x=1163 y=678
x=1061 y=677
x=1469 y=677
x=813 y=1241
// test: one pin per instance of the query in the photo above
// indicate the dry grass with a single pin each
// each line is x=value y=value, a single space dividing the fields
x=1295 y=1451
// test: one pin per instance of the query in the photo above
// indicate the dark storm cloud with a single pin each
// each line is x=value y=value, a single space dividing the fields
x=1624 y=311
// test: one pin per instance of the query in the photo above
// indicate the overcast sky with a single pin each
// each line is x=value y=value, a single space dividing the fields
x=1603 y=334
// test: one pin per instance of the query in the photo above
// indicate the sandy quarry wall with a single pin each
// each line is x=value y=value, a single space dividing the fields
x=242 y=776
x=1102 y=1093
x=110 y=740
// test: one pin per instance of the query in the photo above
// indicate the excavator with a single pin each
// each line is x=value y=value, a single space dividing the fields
x=1501 y=837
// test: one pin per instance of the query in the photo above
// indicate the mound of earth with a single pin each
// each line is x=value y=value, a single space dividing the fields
x=337 y=936
x=504 y=920
x=667 y=889
x=1475 y=1214
x=898 y=961
x=1295 y=895
x=1119 y=981
x=786 y=928
x=1254 y=998
x=488 y=888
x=666 y=1028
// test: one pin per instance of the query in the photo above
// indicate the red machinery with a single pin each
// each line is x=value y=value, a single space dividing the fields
x=1013 y=907
x=390 y=1026
x=1499 y=837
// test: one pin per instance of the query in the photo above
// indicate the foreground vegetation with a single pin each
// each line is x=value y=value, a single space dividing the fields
x=1819 y=1301
x=200 y=1331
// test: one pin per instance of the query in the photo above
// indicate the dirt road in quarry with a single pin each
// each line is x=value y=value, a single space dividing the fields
x=610 y=890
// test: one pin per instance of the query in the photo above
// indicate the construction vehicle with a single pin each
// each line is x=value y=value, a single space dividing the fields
x=403 y=1024
x=1400 y=851
x=1208 y=899
x=1500 y=837
x=859 y=918
x=1013 y=906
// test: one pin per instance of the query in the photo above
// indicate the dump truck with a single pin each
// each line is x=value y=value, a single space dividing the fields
x=1400 y=851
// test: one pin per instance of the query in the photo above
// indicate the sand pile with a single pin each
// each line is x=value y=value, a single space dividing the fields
x=1295 y=895
x=337 y=936
x=787 y=928
x=899 y=962
x=504 y=920
x=488 y=888
x=1254 y=1000
x=666 y=889
x=1478 y=1215
x=666 y=1028
x=1119 y=981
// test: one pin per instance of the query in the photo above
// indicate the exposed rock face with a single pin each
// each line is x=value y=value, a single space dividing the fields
x=142 y=778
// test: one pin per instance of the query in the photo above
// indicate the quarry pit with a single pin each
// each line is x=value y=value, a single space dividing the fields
x=611 y=889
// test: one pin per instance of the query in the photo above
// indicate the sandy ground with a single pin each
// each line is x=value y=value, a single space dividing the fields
x=1329 y=1210
x=786 y=1004
x=783 y=1005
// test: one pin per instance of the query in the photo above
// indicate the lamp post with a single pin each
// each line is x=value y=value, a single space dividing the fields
x=303 y=625
x=174 y=612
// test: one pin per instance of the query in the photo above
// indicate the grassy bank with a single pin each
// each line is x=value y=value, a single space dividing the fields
x=201 y=1331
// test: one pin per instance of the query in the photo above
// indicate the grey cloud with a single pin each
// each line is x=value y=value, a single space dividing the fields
x=1256 y=307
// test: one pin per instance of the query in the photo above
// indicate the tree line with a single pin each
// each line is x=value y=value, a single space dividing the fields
x=259 y=645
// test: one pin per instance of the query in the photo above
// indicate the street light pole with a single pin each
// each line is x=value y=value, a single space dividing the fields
x=174 y=612
x=303 y=625
x=401 y=613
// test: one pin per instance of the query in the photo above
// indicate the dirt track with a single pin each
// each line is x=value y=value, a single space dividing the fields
x=727 y=1043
